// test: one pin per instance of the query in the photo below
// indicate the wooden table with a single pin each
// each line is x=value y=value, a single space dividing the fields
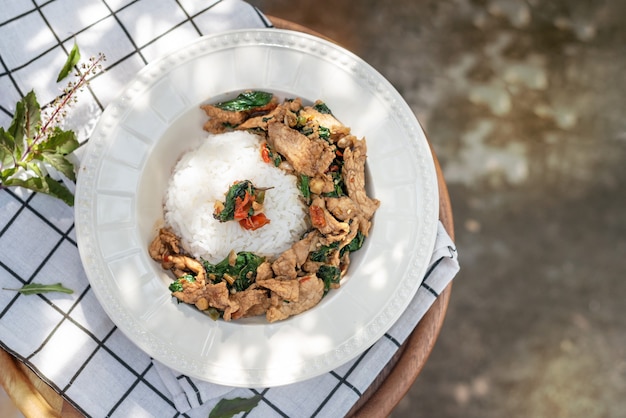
x=34 y=398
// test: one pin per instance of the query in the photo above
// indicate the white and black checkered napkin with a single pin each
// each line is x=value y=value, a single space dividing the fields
x=68 y=339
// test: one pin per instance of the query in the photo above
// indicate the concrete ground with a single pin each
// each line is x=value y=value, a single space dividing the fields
x=524 y=103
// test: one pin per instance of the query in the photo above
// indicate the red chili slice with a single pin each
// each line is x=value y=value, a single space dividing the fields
x=265 y=153
x=254 y=222
x=242 y=207
x=317 y=216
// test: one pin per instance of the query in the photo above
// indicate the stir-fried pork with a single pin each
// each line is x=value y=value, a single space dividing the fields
x=182 y=264
x=284 y=112
x=166 y=242
x=217 y=295
x=344 y=209
x=332 y=229
x=285 y=265
x=303 y=247
x=311 y=292
x=250 y=302
x=327 y=120
x=220 y=120
x=165 y=248
x=353 y=174
x=264 y=271
x=286 y=289
x=306 y=156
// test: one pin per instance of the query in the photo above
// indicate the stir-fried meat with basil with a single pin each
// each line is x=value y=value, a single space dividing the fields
x=329 y=163
x=225 y=115
x=308 y=156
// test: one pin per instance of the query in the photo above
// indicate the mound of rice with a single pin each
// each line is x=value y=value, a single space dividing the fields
x=202 y=176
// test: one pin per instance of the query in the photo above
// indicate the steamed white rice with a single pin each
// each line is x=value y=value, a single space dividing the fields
x=202 y=176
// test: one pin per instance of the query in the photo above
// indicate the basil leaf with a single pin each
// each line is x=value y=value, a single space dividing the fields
x=330 y=275
x=45 y=185
x=324 y=133
x=303 y=185
x=37 y=288
x=16 y=129
x=26 y=121
x=58 y=190
x=235 y=191
x=247 y=263
x=33 y=167
x=243 y=270
x=72 y=60
x=322 y=254
x=7 y=147
x=177 y=285
x=35 y=184
x=322 y=108
x=60 y=141
x=246 y=101
x=354 y=245
x=227 y=408
x=32 y=116
x=60 y=163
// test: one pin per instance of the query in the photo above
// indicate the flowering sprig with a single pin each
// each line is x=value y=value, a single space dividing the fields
x=31 y=148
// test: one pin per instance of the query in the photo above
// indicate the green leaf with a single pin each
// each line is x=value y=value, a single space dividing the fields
x=324 y=133
x=323 y=253
x=247 y=263
x=176 y=286
x=330 y=275
x=72 y=60
x=246 y=101
x=58 y=190
x=37 y=288
x=303 y=185
x=243 y=270
x=32 y=115
x=6 y=174
x=60 y=163
x=227 y=408
x=26 y=121
x=354 y=245
x=16 y=129
x=63 y=142
x=35 y=184
x=33 y=167
x=45 y=185
x=7 y=148
x=322 y=108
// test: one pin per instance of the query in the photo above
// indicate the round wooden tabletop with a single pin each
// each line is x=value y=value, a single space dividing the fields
x=34 y=398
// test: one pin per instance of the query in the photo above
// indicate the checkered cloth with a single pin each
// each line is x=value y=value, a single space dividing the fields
x=67 y=339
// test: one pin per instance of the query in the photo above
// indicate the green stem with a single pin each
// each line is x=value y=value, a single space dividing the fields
x=81 y=81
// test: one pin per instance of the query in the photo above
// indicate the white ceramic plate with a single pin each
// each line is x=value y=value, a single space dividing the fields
x=124 y=174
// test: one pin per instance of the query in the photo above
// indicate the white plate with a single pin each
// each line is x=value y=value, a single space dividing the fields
x=125 y=170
